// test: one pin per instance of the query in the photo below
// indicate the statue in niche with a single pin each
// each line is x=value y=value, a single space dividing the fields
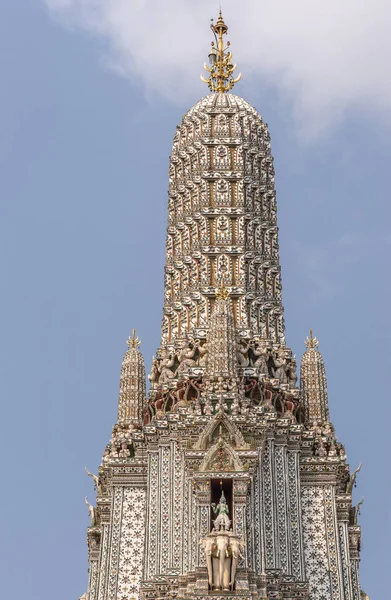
x=203 y=354
x=179 y=398
x=113 y=451
x=290 y=406
x=242 y=353
x=155 y=371
x=165 y=367
x=222 y=520
x=261 y=353
x=332 y=448
x=281 y=366
x=158 y=404
x=292 y=373
x=321 y=448
x=124 y=451
x=186 y=357
x=223 y=549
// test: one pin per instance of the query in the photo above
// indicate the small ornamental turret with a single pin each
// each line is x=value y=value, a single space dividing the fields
x=313 y=383
x=222 y=359
x=132 y=385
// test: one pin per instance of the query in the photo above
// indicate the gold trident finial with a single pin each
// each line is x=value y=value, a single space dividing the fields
x=133 y=342
x=221 y=67
x=311 y=342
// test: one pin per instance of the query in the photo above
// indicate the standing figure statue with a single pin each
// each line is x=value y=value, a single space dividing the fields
x=261 y=353
x=242 y=353
x=281 y=366
x=166 y=363
x=222 y=520
x=203 y=354
x=91 y=512
x=186 y=357
x=153 y=377
x=292 y=374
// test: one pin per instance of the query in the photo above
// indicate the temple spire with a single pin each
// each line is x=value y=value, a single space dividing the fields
x=132 y=384
x=221 y=69
x=313 y=382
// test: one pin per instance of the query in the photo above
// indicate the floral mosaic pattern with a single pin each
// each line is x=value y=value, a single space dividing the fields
x=320 y=543
x=131 y=546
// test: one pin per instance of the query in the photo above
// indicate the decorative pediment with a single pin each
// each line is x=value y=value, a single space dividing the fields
x=221 y=457
x=220 y=427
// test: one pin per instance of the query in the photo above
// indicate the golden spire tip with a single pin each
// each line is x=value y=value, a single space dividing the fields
x=311 y=341
x=133 y=342
x=221 y=69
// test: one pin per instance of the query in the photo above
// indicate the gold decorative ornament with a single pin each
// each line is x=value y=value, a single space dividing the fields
x=311 y=342
x=222 y=292
x=220 y=59
x=133 y=342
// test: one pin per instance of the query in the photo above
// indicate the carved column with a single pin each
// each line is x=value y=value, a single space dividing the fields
x=93 y=538
x=240 y=489
x=202 y=499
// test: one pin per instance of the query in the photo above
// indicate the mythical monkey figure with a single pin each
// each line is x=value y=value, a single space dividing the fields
x=242 y=353
x=165 y=366
x=186 y=357
x=261 y=353
x=281 y=366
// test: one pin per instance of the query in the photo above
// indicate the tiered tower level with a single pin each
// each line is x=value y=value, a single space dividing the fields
x=227 y=479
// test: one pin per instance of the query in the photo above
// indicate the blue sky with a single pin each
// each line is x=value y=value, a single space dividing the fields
x=85 y=137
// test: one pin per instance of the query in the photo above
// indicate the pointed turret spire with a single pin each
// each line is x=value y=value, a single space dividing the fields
x=132 y=384
x=313 y=382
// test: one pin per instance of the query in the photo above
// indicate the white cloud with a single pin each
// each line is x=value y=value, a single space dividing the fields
x=324 y=58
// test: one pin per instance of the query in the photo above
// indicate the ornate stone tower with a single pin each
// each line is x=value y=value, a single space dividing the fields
x=227 y=480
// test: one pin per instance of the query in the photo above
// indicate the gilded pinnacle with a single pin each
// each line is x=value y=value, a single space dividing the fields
x=133 y=342
x=221 y=69
x=311 y=342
